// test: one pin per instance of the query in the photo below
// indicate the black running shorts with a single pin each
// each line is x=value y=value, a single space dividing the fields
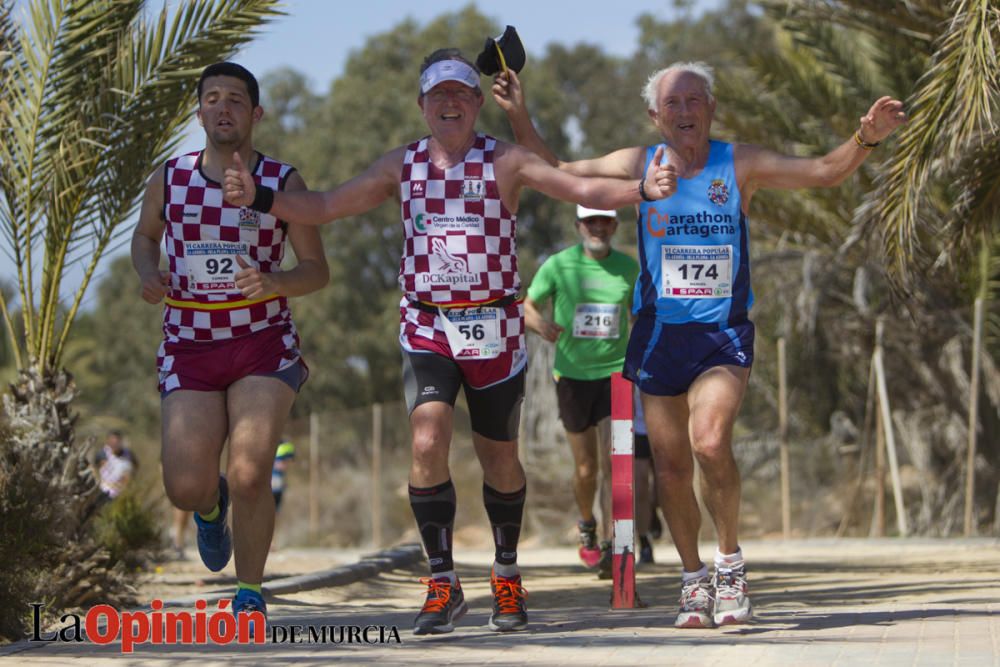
x=494 y=410
x=583 y=403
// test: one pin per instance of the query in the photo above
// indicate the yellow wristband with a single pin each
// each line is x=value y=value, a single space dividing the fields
x=861 y=142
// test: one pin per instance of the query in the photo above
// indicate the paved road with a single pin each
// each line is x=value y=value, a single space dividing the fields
x=819 y=602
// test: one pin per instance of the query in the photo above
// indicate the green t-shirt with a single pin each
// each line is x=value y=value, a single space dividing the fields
x=591 y=302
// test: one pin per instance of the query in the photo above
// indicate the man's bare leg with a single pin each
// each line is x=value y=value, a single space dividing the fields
x=583 y=446
x=603 y=431
x=667 y=429
x=258 y=407
x=194 y=430
x=714 y=402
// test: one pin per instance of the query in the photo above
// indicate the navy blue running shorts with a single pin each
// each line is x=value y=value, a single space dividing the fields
x=665 y=359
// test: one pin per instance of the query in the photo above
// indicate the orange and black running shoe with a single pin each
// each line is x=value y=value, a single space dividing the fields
x=509 y=611
x=444 y=605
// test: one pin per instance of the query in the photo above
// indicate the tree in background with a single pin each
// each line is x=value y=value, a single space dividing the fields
x=93 y=95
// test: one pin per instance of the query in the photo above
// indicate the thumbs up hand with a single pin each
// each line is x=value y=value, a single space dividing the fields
x=251 y=283
x=238 y=186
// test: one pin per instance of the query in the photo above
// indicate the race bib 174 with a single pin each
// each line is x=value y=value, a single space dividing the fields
x=697 y=272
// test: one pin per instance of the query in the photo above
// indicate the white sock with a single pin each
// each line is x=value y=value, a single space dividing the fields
x=688 y=576
x=728 y=560
x=506 y=570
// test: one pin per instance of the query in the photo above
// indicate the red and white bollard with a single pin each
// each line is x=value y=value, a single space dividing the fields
x=622 y=495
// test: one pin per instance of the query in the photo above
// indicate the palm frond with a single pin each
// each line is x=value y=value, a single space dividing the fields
x=94 y=97
x=992 y=328
x=951 y=110
x=975 y=180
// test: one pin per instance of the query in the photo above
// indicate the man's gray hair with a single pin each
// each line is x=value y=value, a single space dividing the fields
x=700 y=69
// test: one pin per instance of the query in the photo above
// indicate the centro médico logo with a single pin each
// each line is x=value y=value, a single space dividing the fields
x=103 y=624
x=418 y=222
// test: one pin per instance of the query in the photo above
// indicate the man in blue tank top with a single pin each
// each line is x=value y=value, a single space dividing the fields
x=691 y=348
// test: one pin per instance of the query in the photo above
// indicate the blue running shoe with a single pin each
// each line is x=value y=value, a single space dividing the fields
x=215 y=542
x=248 y=602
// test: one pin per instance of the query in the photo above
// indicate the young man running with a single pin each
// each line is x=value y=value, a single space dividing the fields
x=229 y=364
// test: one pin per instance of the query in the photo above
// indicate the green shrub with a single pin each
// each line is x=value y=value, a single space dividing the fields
x=126 y=527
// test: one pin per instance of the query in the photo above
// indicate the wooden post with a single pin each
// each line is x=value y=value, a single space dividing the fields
x=878 y=516
x=890 y=442
x=865 y=452
x=313 y=477
x=377 y=475
x=970 y=459
x=786 y=495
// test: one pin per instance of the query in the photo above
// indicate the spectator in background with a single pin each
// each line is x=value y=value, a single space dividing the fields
x=116 y=464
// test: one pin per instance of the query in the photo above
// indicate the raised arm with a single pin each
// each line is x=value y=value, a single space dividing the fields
x=307 y=207
x=758 y=167
x=310 y=272
x=509 y=96
x=529 y=170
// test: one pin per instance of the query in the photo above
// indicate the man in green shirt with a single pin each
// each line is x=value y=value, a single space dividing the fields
x=590 y=285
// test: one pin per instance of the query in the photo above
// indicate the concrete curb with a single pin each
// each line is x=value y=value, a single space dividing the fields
x=368 y=566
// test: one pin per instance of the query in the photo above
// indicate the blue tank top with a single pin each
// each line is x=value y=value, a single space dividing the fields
x=694 y=249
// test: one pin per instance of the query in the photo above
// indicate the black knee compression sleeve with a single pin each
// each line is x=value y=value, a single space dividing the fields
x=505 y=511
x=434 y=510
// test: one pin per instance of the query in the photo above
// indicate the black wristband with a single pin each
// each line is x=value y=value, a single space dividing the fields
x=642 y=190
x=263 y=199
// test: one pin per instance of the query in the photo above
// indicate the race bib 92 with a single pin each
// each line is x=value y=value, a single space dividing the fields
x=211 y=265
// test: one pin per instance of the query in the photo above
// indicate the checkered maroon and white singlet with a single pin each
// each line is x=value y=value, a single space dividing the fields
x=459 y=249
x=195 y=211
x=459 y=246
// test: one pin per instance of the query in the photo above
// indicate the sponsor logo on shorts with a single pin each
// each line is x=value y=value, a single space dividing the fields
x=429 y=390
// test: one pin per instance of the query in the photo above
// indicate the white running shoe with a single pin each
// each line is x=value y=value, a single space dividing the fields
x=732 y=603
x=697 y=603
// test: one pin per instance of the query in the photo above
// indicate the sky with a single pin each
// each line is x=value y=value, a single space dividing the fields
x=316 y=37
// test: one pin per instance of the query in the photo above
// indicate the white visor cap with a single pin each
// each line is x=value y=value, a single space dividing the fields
x=448 y=70
x=582 y=213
